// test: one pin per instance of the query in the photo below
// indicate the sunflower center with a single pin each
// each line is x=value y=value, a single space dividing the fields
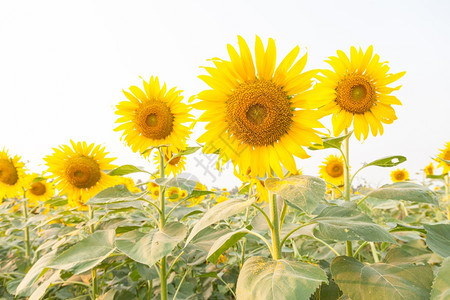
x=8 y=173
x=335 y=169
x=259 y=113
x=154 y=120
x=82 y=172
x=173 y=161
x=38 y=189
x=447 y=155
x=400 y=176
x=355 y=94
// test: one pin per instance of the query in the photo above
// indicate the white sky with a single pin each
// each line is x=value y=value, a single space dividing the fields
x=63 y=65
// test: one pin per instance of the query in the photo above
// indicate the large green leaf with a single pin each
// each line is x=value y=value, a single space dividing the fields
x=40 y=292
x=441 y=285
x=387 y=162
x=224 y=242
x=115 y=194
x=381 y=281
x=87 y=253
x=149 y=248
x=219 y=212
x=405 y=191
x=300 y=191
x=438 y=238
x=268 y=279
x=349 y=224
x=125 y=170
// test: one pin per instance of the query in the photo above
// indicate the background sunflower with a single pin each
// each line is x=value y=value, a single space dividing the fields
x=399 y=175
x=332 y=170
x=12 y=175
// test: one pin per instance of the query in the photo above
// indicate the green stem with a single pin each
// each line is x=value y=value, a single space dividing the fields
x=374 y=252
x=149 y=289
x=447 y=194
x=93 y=271
x=347 y=182
x=181 y=282
x=360 y=248
x=162 y=222
x=275 y=230
x=269 y=222
x=292 y=231
x=27 y=233
x=326 y=244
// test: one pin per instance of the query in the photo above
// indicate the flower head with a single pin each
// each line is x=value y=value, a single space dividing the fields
x=12 y=175
x=399 y=175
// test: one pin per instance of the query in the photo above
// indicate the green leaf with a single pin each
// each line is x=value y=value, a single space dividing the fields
x=87 y=253
x=404 y=227
x=219 y=212
x=381 y=281
x=349 y=224
x=182 y=183
x=300 y=191
x=125 y=170
x=115 y=194
x=149 y=248
x=438 y=238
x=441 y=285
x=387 y=162
x=36 y=271
x=268 y=279
x=189 y=150
x=442 y=176
x=331 y=142
x=444 y=160
x=407 y=191
x=41 y=290
x=224 y=242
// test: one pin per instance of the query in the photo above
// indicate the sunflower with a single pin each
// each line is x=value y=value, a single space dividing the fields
x=38 y=189
x=129 y=184
x=12 y=175
x=357 y=91
x=197 y=200
x=173 y=164
x=429 y=169
x=257 y=113
x=332 y=170
x=78 y=171
x=445 y=155
x=173 y=194
x=153 y=117
x=399 y=175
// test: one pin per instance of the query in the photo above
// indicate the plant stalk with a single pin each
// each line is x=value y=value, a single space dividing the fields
x=93 y=271
x=347 y=182
x=162 y=222
x=275 y=230
x=27 y=233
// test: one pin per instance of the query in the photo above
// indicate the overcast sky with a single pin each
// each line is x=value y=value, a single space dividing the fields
x=63 y=65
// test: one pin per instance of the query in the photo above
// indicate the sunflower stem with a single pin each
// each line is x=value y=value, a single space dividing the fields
x=162 y=222
x=447 y=194
x=347 y=182
x=275 y=230
x=93 y=271
x=27 y=233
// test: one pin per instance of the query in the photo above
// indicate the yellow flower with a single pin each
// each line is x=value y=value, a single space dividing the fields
x=173 y=164
x=155 y=192
x=223 y=196
x=429 y=170
x=183 y=194
x=12 y=175
x=197 y=200
x=153 y=117
x=357 y=92
x=332 y=170
x=399 y=175
x=222 y=259
x=78 y=171
x=256 y=112
x=173 y=193
x=38 y=189
x=129 y=184
x=445 y=155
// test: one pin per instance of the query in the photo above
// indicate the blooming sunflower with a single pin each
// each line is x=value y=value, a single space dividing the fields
x=78 y=171
x=429 y=169
x=12 y=175
x=332 y=170
x=173 y=194
x=153 y=117
x=399 y=175
x=445 y=155
x=173 y=164
x=197 y=200
x=357 y=92
x=129 y=184
x=258 y=113
x=38 y=189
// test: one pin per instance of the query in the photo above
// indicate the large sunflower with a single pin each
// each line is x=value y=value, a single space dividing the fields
x=332 y=170
x=399 y=175
x=256 y=111
x=78 y=171
x=445 y=155
x=12 y=175
x=38 y=189
x=357 y=92
x=153 y=117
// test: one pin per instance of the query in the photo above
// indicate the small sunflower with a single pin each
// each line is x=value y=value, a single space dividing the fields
x=12 y=175
x=173 y=194
x=153 y=117
x=154 y=192
x=129 y=184
x=173 y=164
x=224 y=196
x=429 y=169
x=38 y=189
x=357 y=92
x=399 y=175
x=332 y=170
x=445 y=155
x=78 y=171
x=258 y=114
x=197 y=200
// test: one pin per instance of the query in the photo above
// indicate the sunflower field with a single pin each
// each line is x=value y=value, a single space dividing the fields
x=85 y=229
